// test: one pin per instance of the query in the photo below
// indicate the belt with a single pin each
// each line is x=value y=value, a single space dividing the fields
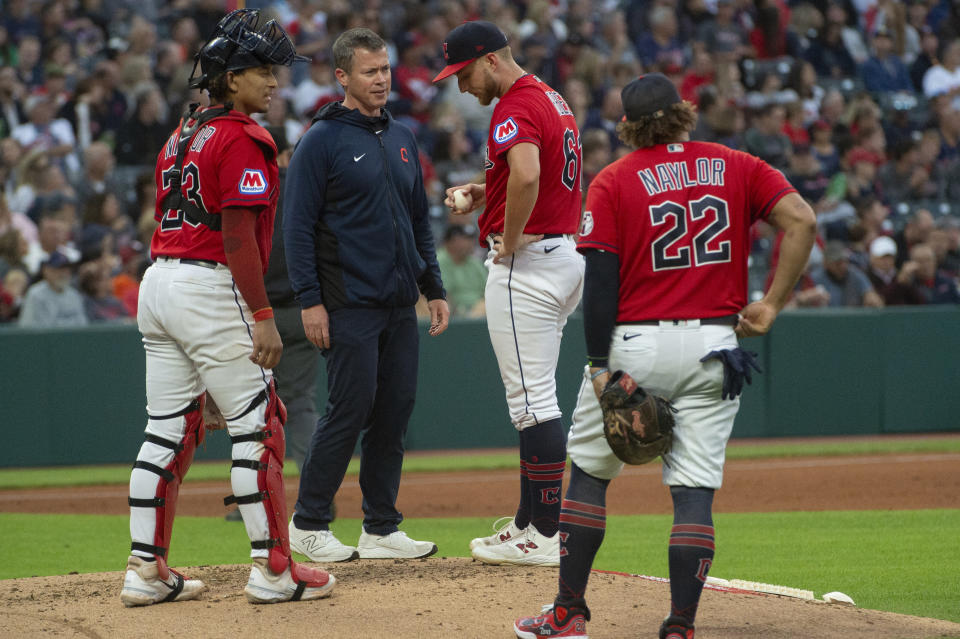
x=723 y=320
x=553 y=236
x=184 y=260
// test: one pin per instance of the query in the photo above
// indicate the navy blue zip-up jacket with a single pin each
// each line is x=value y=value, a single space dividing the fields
x=355 y=217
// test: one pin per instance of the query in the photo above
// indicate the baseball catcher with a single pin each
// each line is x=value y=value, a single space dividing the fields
x=638 y=426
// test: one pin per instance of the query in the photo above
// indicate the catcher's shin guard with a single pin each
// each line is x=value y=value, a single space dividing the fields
x=270 y=489
x=170 y=473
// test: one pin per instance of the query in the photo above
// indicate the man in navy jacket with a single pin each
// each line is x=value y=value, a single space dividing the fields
x=359 y=253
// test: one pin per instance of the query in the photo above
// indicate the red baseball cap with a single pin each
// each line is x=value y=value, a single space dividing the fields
x=468 y=42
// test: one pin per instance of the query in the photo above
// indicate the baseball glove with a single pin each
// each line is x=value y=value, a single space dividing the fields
x=638 y=426
x=212 y=417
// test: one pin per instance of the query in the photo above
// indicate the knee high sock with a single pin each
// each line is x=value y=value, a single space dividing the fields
x=545 y=457
x=522 y=518
x=691 y=548
x=583 y=521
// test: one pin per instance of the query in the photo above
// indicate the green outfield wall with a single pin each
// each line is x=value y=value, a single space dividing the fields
x=77 y=396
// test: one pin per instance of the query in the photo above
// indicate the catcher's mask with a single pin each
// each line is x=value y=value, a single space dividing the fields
x=239 y=43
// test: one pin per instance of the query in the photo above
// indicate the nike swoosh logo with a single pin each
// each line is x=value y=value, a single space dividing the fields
x=358 y=158
x=627 y=336
x=550 y=249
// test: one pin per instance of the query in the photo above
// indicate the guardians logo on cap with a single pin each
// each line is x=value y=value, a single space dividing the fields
x=468 y=42
x=648 y=96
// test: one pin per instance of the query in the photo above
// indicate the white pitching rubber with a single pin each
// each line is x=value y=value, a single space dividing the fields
x=838 y=598
x=716 y=581
x=772 y=589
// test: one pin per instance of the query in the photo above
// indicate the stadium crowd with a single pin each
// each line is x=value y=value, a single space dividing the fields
x=856 y=101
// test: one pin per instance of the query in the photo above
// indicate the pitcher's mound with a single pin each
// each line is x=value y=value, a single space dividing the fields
x=427 y=598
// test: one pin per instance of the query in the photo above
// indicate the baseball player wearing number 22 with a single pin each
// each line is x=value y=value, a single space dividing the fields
x=532 y=204
x=666 y=240
x=208 y=330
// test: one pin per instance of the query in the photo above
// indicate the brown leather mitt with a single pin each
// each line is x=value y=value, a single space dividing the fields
x=638 y=426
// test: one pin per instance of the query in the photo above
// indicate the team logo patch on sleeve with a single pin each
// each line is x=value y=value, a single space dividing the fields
x=505 y=131
x=253 y=182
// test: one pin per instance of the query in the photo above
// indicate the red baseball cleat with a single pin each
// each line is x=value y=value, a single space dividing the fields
x=557 y=621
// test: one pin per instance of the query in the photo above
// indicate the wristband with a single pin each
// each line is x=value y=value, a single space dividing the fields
x=263 y=314
x=598 y=373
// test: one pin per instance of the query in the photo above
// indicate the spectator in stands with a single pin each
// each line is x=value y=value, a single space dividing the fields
x=94 y=283
x=10 y=219
x=944 y=78
x=770 y=38
x=921 y=273
x=13 y=248
x=53 y=302
x=317 y=89
x=700 y=74
x=883 y=274
x=12 y=288
x=927 y=56
x=43 y=132
x=904 y=177
x=107 y=73
x=949 y=225
x=103 y=210
x=722 y=35
x=53 y=235
x=859 y=176
x=98 y=177
x=823 y=148
x=146 y=131
x=765 y=139
x=31 y=180
x=597 y=154
x=884 y=71
x=464 y=274
x=86 y=111
x=949 y=130
x=915 y=231
x=29 y=63
x=802 y=79
x=11 y=106
x=660 y=44
x=846 y=284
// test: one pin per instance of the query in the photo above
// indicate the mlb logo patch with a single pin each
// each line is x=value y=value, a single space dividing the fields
x=674 y=148
x=253 y=182
x=506 y=130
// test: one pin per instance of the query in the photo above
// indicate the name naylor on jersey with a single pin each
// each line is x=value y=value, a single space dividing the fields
x=253 y=182
x=674 y=176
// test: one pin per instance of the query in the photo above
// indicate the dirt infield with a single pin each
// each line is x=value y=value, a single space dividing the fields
x=453 y=597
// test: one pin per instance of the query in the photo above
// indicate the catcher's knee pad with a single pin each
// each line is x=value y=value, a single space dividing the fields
x=270 y=489
x=172 y=458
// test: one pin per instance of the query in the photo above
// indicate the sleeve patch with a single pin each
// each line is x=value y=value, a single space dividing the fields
x=586 y=223
x=253 y=182
x=505 y=131
x=559 y=103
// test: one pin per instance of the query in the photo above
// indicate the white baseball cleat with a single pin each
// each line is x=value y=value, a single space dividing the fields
x=319 y=545
x=529 y=549
x=142 y=585
x=396 y=545
x=506 y=530
x=264 y=587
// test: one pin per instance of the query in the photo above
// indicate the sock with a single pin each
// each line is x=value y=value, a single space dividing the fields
x=522 y=518
x=583 y=521
x=691 y=548
x=546 y=457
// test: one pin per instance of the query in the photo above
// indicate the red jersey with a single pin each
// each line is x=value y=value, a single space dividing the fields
x=231 y=162
x=530 y=111
x=679 y=216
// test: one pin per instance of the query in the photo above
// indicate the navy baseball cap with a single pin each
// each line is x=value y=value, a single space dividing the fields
x=648 y=96
x=468 y=42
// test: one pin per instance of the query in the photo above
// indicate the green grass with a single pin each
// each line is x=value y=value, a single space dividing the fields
x=912 y=571
x=466 y=461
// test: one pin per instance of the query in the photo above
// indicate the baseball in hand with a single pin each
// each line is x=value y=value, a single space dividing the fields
x=461 y=200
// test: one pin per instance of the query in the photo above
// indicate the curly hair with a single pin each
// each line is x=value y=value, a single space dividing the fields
x=649 y=131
